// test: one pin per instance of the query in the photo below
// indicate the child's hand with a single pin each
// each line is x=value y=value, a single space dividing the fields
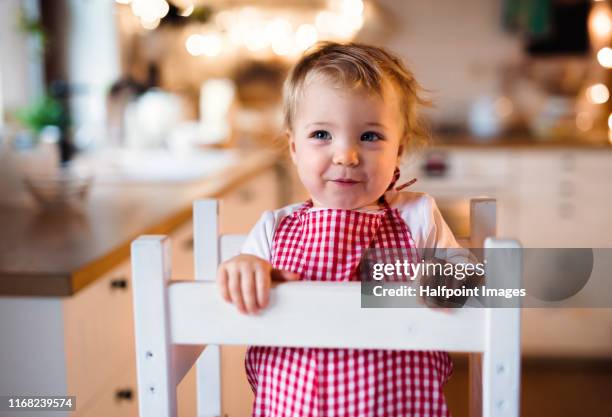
x=434 y=282
x=244 y=280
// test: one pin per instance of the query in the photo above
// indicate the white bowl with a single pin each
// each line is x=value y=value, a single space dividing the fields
x=65 y=187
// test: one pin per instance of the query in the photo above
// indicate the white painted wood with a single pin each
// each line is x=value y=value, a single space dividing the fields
x=483 y=220
x=208 y=382
x=205 y=239
x=206 y=258
x=501 y=360
x=154 y=355
x=297 y=309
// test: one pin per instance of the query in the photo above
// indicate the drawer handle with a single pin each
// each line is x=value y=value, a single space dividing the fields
x=120 y=283
x=124 y=394
x=188 y=244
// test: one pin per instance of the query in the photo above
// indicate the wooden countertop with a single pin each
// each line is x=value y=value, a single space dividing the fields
x=59 y=253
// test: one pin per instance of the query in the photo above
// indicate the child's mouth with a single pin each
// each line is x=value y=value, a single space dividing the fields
x=345 y=182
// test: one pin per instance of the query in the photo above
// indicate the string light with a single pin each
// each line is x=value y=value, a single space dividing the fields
x=150 y=11
x=610 y=128
x=193 y=44
x=306 y=36
x=598 y=93
x=187 y=11
x=263 y=32
x=600 y=22
x=149 y=24
x=604 y=56
x=211 y=45
x=352 y=8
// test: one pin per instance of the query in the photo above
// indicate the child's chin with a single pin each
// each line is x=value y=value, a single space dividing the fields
x=348 y=203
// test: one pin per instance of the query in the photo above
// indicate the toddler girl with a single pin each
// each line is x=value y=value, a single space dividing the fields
x=350 y=113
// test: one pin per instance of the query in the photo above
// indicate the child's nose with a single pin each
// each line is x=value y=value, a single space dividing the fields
x=346 y=155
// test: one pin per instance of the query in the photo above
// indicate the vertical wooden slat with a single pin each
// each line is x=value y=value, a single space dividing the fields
x=501 y=362
x=483 y=224
x=154 y=359
x=206 y=257
x=205 y=239
x=483 y=220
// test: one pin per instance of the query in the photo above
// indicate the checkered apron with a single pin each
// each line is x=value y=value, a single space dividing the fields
x=326 y=245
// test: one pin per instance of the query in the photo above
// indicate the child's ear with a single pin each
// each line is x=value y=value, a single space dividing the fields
x=291 y=140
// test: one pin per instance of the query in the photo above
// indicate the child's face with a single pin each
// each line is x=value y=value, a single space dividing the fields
x=345 y=143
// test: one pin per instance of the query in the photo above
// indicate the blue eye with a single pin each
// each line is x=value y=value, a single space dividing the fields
x=320 y=134
x=370 y=137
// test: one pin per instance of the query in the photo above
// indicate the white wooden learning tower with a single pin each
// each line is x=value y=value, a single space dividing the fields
x=178 y=322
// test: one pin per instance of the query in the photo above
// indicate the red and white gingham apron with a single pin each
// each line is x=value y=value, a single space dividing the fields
x=326 y=245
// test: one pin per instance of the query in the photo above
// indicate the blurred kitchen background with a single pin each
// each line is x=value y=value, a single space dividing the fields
x=115 y=115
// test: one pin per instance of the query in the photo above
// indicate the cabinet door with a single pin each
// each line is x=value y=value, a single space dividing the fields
x=98 y=333
x=565 y=199
x=119 y=398
x=592 y=199
x=240 y=208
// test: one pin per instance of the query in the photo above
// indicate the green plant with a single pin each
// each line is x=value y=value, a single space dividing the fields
x=46 y=111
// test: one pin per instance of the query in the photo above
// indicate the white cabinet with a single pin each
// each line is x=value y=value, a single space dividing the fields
x=81 y=345
x=98 y=334
x=565 y=198
x=556 y=197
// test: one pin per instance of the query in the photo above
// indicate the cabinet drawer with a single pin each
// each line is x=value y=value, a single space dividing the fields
x=117 y=399
x=98 y=333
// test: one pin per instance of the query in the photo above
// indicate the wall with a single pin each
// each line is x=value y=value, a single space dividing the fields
x=454 y=47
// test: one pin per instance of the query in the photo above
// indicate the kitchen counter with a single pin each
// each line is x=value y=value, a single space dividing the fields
x=58 y=253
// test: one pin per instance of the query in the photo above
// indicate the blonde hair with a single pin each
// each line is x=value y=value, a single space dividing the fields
x=357 y=65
